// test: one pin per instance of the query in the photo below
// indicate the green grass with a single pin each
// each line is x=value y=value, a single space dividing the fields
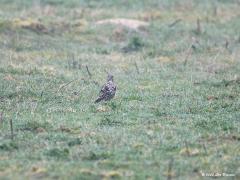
x=173 y=104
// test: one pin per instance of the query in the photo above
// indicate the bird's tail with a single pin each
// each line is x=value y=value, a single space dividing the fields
x=98 y=100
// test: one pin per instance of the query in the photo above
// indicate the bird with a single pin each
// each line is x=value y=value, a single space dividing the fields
x=108 y=90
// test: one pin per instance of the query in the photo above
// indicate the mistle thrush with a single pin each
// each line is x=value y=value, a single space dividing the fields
x=108 y=90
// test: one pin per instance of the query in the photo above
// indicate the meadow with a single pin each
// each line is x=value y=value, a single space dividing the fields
x=176 y=113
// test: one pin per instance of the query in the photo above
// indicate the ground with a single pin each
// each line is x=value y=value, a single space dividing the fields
x=176 y=113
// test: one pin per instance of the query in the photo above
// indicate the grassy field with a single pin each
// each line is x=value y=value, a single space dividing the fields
x=176 y=113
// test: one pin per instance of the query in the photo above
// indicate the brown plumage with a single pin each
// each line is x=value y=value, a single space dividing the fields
x=108 y=90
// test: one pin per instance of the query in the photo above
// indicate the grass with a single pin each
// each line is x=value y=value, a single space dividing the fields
x=176 y=113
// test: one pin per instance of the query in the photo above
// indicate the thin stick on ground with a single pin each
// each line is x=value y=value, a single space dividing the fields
x=41 y=95
x=174 y=23
x=64 y=85
x=89 y=73
x=226 y=44
x=11 y=128
x=199 y=28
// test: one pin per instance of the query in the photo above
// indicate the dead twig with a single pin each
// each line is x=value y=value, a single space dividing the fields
x=11 y=128
x=90 y=75
x=64 y=85
x=226 y=44
x=174 y=23
x=199 y=28
x=41 y=95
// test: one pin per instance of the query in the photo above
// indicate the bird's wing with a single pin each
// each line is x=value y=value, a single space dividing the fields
x=104 y=89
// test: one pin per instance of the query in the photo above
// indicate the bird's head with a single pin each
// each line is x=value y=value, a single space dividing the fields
x=110 y=77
